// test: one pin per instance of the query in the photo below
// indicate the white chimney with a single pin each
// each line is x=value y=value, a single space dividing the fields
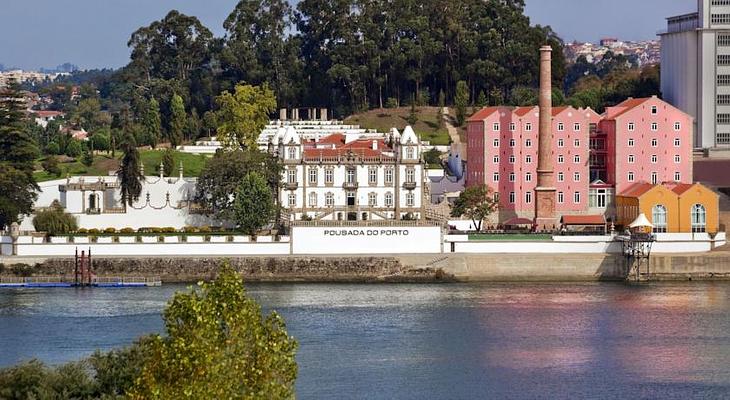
x=375 y=144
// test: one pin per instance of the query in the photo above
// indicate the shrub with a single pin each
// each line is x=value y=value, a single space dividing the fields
x=52 y=148
x=156 y=230
x=73 y=149
x=126 y=230
x=110 y=230
x=94 y=231
x=204 y=229
x=190 y=229
x=21 y=269
x=82 y=231
x=55 y=221
x=50 y=165
x=392 y=102
x=169 y=229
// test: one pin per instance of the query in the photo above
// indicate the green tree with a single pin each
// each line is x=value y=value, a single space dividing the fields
x=218 y=182
x=218 y=344
x=254 y=204
x=129 y=172
x=243 y=115
x=152 y=123
x=475 y=203
x=482 y=100
x=168 y=162
x=50 y=165
x=178 y=120
x=461 y=101
x=413 y=114
x=87 y=156
x=73 y=148
x=432 y=157
x=440 y=113
x=100 y=141
x=54 y=220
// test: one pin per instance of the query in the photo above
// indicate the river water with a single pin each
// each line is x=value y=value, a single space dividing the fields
x=452 y=341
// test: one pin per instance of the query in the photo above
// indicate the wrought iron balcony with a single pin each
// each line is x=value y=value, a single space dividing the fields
x=291 y=185
x=350 y=185
x=93 y=211
x=409 y=185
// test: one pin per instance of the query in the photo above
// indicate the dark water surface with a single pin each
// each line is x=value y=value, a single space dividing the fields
x=461 y=341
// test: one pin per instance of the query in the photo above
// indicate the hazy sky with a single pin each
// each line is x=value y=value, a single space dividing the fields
x=94 y=33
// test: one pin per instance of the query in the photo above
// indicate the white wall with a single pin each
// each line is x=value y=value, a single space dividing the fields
x=366 y=240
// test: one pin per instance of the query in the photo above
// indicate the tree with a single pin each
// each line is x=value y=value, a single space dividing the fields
x=168 y=162
x=73 y=148
x=152 y=123
x=461 y=101
x=482 y=100
x=87 y=156
x=178 y=120
x=432 y=157
x=440 y=113
x=243 y=115
x=413 y=114
x=217 y=344
x=54 y=221
x=475 y=203
x=50 y=165
x=254 y=205
x=17 y=194
x=100 y=141
x=129 y=172
x=218 y=182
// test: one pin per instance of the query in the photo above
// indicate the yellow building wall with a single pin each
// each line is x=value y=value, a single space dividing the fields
x=661 y=195
x=699 y=194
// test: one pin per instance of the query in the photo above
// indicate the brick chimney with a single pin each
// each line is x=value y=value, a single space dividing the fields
x=545 y=198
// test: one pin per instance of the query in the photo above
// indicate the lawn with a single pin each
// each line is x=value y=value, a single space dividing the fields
x=103 y=163
x=509 y=237
x=383 y=119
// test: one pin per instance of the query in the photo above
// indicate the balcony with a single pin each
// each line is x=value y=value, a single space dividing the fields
x=350 y=185
x=291 y=185
x=93 y=211
x=409 y=185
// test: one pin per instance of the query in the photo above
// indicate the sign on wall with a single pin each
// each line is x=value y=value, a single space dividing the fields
x=366 y=240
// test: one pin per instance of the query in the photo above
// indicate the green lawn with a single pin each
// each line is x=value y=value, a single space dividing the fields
x=192 y=165
x=509 y=237
x=383 y=119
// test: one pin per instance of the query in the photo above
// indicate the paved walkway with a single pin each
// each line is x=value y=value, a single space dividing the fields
x=453 y=134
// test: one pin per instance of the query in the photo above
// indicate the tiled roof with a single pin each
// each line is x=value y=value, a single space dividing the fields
x=482 y=114
x=625 y=106
x=522 y=111
x=558 y=110
x=637 y=189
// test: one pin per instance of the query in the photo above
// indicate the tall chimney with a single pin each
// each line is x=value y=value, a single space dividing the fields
x=545 y=190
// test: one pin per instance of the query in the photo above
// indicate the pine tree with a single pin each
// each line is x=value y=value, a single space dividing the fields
x=461 y=101
x=152 y=123
x=129 y=174
x=168 y=162
x=178 y=120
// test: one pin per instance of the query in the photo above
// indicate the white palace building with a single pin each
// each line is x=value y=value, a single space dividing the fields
x=351 y=178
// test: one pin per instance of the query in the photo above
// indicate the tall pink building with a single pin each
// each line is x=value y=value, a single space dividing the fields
x=594 y=156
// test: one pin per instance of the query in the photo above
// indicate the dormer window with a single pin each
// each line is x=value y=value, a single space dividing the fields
x=292 y=153
x=410 y=153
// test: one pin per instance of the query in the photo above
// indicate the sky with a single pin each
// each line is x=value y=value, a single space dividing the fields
x=94 y=33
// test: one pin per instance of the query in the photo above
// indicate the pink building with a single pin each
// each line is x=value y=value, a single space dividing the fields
x=502 y=148
x=595 y=156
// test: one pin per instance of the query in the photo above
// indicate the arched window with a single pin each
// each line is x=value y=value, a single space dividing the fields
x=699 y=218
x=292 y=153
x=659 y=218
x=410 y=153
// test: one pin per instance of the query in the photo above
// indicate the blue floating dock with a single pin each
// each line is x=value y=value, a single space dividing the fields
x=63 y=282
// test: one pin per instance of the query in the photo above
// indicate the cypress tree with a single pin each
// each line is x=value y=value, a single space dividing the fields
x=129 y=174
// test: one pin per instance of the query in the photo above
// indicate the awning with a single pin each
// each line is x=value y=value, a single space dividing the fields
x=641 y=222
x=519 y=221
x=584 y=220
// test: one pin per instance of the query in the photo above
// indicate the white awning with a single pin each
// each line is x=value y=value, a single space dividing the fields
x=641 y=222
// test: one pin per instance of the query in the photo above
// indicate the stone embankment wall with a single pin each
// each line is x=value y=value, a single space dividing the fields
x=260 y=269
x=710 y=266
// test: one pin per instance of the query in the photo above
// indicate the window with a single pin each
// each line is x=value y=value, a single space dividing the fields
x=561 y=177
x=512 y=197
x=561 y=127
x=654 y=126
x=659 y=218
x=632 y=159
x=528 y=177
x=313 y=199
x=576 y=143
x=495 y=196
x=654 y=142
x=528 y=127
x=631 y=126
x=631 y=143
x=373 y=176
x=350 y=176
x=723 y=80
x=313 y=176
x=511 y=159
x=528 y=142
x=720 y=19
x=389 y=200
x=722 y=40
x=723 y=59
x=528 y=197
x=511 y=176
x=677 y=126
x=698 y=218
x=576 y=197
x=511 y=143
x=576 y=159
x=410 y=175
x=528 y=159
x=576 y=127
x=329 y=176
x=677 y=159
x=576 y=176
x=495 y=127
x=292 y=153
x=723 y=138
x=723 y=119
x=677 y=177
x=723 y=99
x=495 y=143
x=389 y=176
x=291 y=176
x=329 y=200
x=511 y=126
x=630 y=177
x=410 y=199
x=598 y=198
x=561 y=143
x=372 y=199
x=654 y=159
x=653 y=110
x=292 y=199
x=560 y=159
x=495 y=159
x=495 y=177
x=677 y=142
x=410 y=153
x=654 y=178
x=561 y=198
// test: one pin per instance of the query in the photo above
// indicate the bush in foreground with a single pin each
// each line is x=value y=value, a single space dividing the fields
x=55 y=221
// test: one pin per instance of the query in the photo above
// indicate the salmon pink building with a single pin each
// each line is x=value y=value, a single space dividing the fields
x=595 y=157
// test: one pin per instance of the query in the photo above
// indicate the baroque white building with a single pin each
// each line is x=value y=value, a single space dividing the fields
x=341 y=177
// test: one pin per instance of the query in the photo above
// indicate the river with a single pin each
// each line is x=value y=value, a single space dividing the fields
x=451 y=341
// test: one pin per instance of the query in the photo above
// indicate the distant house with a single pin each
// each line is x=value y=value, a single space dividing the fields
x=42 y=118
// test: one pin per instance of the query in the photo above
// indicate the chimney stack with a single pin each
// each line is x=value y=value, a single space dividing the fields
x=545 y=191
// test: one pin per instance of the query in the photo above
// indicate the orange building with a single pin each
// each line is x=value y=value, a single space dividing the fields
x=671 y=207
